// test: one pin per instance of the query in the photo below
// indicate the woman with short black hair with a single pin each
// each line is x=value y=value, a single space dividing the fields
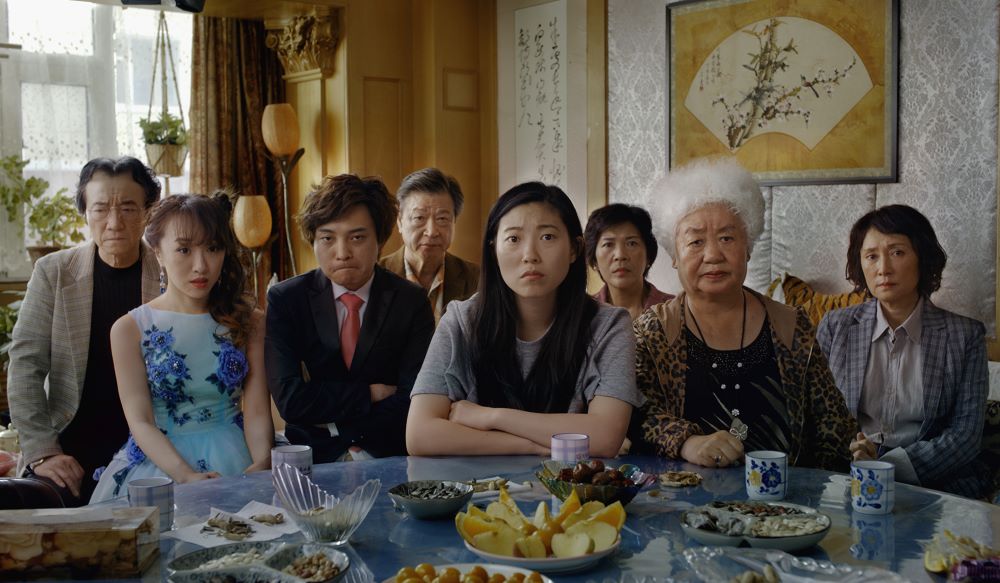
x=621 y=248
x=913 y=374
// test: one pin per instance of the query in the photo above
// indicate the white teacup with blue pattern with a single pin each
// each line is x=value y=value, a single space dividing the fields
x=766 y=475
x=873 y=487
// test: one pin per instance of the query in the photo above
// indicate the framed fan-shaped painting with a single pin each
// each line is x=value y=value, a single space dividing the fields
x=800 y=91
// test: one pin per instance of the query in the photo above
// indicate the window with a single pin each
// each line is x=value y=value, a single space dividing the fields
x=77 y=89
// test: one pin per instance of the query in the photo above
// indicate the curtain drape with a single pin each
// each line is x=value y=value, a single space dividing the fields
x=234 y=76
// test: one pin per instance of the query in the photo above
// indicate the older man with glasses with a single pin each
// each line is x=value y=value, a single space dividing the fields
x=62 y=336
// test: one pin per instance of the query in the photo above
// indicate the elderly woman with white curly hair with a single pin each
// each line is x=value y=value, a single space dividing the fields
x=725 y=369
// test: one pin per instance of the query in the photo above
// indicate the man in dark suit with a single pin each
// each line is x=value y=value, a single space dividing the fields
x=429 y=204
x=345 y=341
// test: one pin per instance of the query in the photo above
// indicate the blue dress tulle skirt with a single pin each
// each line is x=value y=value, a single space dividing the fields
x=195 y=380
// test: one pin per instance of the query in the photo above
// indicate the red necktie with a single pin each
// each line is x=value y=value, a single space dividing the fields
x=352 y=326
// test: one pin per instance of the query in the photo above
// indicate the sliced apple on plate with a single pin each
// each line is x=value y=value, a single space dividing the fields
x=604 y=535
x=571 y=545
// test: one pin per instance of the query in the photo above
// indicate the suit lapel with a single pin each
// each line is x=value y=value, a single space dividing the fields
x=453 y=278
x=324 y=311
x=859 y=341
x=78 y=298
x=933 y=355
x=379 y=302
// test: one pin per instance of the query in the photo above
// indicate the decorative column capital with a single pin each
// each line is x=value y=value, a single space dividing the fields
x=307 y=43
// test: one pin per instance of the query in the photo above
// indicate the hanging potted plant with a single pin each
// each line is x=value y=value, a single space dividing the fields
x=166 y=143
x=165 y=137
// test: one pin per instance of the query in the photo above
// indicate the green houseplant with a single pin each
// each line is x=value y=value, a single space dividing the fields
x=52 y=221
x=168 y=129
x=8 y=317
x=55 y=221
x=165 y=140
x=16 y=190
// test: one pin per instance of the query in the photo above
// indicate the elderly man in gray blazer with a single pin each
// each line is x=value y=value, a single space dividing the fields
x=61 y=381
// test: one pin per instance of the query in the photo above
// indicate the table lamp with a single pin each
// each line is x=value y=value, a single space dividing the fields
x=252 y=224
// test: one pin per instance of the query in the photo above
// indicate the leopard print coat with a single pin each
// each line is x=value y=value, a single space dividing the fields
x=821 y=426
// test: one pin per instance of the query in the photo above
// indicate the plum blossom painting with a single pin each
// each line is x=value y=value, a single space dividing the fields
x=800 y=91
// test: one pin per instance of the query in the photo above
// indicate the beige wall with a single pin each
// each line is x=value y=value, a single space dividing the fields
x=411 y=88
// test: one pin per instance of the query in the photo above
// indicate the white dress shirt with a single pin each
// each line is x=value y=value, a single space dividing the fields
x=891 y=410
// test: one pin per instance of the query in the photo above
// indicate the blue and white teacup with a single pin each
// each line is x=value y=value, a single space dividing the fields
x=766 y=475
x=873 y=487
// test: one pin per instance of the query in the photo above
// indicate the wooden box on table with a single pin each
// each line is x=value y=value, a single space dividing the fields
x=114 y=542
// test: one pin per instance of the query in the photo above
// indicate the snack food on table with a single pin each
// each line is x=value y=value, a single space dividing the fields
x=768 y=575
x=680 y=479
x=756 y=519
x=314 y=567
x=426 y=573
x=578 y=529
x=595 y=473
x=278 y=518
x=947 y=550
x=230 y=528
x=232 y=560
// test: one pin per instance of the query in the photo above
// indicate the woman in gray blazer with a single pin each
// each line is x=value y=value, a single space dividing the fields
x=913 y=374
x=61 y=381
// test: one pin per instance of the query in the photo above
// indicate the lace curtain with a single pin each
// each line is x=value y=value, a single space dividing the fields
x=77 y=89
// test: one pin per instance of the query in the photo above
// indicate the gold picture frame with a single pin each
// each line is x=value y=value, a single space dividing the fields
x=800 y=91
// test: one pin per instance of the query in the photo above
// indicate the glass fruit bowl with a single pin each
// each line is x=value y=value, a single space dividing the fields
x=548 y=475
x=322 y=516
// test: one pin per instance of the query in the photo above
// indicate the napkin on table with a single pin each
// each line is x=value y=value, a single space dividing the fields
x=193 y=534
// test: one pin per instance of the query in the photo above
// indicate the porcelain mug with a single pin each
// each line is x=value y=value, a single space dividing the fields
x=297 y=456
x=873 y=487
x=157 y=492
x=570 y=447
x=766 y=475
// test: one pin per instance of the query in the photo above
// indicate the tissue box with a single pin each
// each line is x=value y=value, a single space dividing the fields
x=77 y=542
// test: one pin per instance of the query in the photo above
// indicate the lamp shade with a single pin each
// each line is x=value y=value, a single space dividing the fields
x=280 y=126
x=252 y=220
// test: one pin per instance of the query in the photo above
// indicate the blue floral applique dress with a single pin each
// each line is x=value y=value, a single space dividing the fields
x=195 y=380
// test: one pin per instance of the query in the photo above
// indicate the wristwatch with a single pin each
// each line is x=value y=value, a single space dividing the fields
x=37 y=463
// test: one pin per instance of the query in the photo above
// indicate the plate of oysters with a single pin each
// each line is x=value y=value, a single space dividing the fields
x=766 y=525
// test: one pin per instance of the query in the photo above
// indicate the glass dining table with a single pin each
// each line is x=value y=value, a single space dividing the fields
x=652 y=542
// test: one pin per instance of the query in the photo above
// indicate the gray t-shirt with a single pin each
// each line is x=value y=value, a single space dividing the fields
x=608 y=368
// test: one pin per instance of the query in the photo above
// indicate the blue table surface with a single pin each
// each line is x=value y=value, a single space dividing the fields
x=652 y=540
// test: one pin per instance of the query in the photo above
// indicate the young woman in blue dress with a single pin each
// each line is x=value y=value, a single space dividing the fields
x=190 y=363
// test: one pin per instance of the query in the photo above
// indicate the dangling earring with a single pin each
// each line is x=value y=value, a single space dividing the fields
x=221 y=273
x=163 y=281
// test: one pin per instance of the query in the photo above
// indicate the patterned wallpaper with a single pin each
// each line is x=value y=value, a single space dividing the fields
x=947 y=154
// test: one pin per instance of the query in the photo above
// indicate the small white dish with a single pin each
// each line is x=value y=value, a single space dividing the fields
x=463 y=568
x=548 y=565
x=723 y=564
x=781 y=543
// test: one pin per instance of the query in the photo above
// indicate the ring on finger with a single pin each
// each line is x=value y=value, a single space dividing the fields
x=718 y=460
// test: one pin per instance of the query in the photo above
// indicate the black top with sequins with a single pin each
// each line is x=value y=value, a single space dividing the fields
x=726 y=384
